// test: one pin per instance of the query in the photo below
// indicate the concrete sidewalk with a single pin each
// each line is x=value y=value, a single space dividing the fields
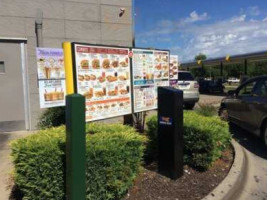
x=255 y=185
x=6 y=166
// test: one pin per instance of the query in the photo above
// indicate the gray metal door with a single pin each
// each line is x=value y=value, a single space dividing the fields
x=12 y=113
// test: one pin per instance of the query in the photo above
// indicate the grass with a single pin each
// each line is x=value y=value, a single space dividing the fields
x=207 y=110
x=228 y=87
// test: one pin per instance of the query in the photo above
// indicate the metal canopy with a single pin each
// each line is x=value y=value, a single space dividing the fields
x=257 y=56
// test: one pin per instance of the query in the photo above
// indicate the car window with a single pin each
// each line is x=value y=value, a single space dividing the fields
x=185 y=76
x=247 y=89
x=261 y=88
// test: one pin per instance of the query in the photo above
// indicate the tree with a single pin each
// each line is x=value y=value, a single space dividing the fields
x=200 y=56
x=201 y=72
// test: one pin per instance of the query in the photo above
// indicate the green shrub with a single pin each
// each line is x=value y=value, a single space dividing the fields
x=39 y=164
x=113 y=158
x=204 y=139
x=52 y=117
x=151 y=152
x=207 y=110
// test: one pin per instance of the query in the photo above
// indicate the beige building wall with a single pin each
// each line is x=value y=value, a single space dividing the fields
x=88 y=21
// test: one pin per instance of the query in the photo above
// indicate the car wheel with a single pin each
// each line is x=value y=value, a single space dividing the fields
x=223 y=113
x=189 y=106
x=264 y=135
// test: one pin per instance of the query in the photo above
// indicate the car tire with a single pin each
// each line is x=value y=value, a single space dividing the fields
x=223 y=114
x=189 y=106
x=264 y=134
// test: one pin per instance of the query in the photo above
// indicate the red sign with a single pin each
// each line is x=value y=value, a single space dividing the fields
x=130 y=54
x=82 y=49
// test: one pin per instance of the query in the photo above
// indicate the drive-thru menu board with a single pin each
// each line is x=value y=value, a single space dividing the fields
x=150 y=70
x=173 y=70
x=103 y=77
x=51 y=77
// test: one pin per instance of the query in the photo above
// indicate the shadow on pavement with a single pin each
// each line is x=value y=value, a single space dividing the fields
x=249 y=141
x=3 y=140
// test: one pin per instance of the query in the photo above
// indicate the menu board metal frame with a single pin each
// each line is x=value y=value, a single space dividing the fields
x=122 y=74
x=148 y=76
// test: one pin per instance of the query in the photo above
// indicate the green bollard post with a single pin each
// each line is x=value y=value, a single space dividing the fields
x=75 y=147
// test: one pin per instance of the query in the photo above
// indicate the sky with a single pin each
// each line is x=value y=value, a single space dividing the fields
x=213 y=27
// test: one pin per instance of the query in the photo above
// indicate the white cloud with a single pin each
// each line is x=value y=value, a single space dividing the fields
x=235 y=35
x=239 y=18
x=222 y=38
x=194 y=17
x=164 y=27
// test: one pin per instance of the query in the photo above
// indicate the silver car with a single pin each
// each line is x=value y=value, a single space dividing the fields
x=190 y=87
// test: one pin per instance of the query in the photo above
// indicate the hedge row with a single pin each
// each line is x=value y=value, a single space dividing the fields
x=204 y=139
x=113 y=154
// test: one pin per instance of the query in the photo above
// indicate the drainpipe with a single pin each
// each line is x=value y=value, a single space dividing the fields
x=39 y=27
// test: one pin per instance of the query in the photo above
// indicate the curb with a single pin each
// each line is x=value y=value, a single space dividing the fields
x=232 y=185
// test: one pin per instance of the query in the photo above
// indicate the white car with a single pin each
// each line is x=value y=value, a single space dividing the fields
x=233 y=80
x=190 y=87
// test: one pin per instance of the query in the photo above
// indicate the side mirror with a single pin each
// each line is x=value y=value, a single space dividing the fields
x=231 y=93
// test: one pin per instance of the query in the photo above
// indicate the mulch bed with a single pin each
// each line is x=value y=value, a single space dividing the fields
x=193 y=185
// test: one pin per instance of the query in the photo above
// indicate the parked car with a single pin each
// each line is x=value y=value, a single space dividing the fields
x=210 y=86
x=189 y=85
x=233 y=80
x=247 y=106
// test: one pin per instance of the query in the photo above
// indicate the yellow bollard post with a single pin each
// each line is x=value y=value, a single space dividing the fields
x=68 y=67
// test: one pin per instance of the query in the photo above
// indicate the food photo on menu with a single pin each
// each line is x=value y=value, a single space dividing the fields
x=123 y=76
x=84 y=64
x=99 y=93
x=124 y=62
x=124 y=89
x=52 y=93
x=112 y=77
x=112 y=90
x=95 y=63
x=106 y=63
x=173 y=67
x=89 y=94
x=51 y=68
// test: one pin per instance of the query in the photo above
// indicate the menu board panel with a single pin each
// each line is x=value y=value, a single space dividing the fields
x=150 y=70
x=103 y=77
x=52 y=93
x=173 y=70
x=51 y=77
